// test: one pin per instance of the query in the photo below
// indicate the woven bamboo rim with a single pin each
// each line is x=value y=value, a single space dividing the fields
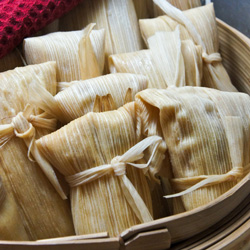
x=222 y=224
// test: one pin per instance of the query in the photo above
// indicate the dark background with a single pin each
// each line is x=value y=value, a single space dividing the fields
x=235 y=13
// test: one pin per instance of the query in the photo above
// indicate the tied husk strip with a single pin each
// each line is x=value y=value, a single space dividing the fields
x=193 y=23
x=194 y=133
x=97 y=94
x=235 y=137
x=163 y=63
x=74 y=52
x=118 y=18
x=95 y=139
x=118 y=165
x=27 y=182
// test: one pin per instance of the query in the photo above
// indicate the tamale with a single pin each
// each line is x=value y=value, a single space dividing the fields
x=11 y=225
x=208 y=144
x=98 y=94
x=79 y=54
x=93 y=153
x=168 y=62
x=11 y=61
x=198 y=24
x=44 y=213
x=117 y=17
x=147 y=9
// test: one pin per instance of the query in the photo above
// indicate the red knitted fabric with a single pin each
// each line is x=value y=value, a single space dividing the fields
x=22 y=18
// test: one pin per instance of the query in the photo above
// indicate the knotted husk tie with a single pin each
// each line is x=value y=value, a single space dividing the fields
x=234 y=131
x=215 y=57
x=118 y=166
x=23 y=126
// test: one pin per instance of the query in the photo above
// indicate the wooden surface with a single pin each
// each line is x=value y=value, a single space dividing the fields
x=152 y=240
x=94 y=244
x=76 y=237
x=235 y=51
x=216 y=234
x=188 y=224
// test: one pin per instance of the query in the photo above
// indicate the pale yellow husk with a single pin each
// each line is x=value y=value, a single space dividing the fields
x=90 y=141
x=98 y=94
x=117 y=17
x=43 y=211
x=11 y=225
x=197 y=125
x=147 y=9
x=198 y=24
x=168 y=62
x=79 y=54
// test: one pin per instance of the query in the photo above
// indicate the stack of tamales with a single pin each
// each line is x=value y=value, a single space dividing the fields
x=123 y=146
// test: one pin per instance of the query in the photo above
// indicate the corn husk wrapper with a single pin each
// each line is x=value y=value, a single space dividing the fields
x=11 y=61
x=98 y=94
x=11 y=225
x=168 y=62
x=198 y=24
x=79 y=54
x=118 y=18
x=64 y=85
x=43 y=211
x=139 y=62
x=204 y=142
x=232 y=106
x=147 y=9
x=95 y=139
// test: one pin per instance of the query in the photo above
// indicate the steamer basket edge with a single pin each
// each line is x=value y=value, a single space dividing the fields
x=160 y=234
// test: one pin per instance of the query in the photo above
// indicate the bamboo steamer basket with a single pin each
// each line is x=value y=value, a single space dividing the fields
x=222 y=224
